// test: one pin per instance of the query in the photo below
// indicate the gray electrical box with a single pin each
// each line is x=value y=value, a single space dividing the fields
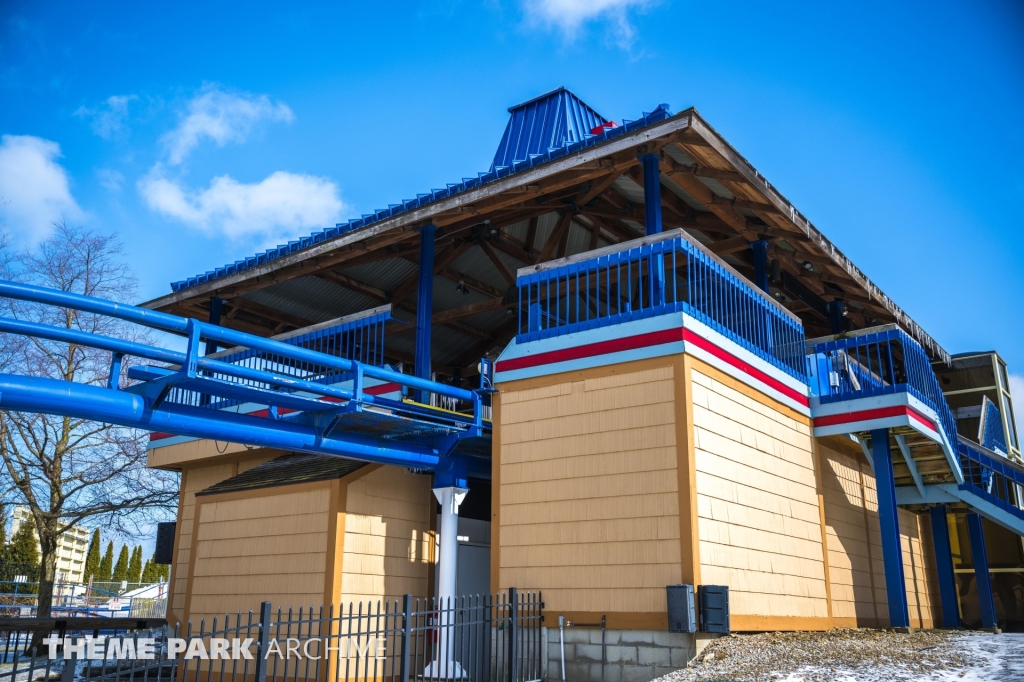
x=681 y=613
x=714 y=608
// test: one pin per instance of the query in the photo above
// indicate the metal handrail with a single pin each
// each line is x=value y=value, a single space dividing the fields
x=644 y=278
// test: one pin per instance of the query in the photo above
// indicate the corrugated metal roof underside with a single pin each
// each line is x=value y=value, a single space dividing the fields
x=287 y=469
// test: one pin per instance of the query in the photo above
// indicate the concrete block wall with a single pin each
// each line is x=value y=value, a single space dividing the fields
x=631 y=655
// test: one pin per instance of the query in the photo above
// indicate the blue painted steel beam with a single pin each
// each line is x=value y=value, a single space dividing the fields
x=760 y=249
x=652 y=192
x=215 y=309
x=982 y=577
x=425 y=308
x=888 y=520
x=835 y=316
x=51 y=396
x=944 y=564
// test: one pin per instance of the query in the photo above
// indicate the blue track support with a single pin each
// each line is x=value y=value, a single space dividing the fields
x=982 y=578
x=760 y=249
x=944 y=563
x=216 y=304
x=316 y=399
x=424 y=308
x=888 y=520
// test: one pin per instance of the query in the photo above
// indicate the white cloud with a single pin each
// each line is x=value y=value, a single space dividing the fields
x=110 y=179
x=109 y=117
x=570 y=15
x=222 y=117
x=274 y=209
x=1017 y=394
x=34 y=188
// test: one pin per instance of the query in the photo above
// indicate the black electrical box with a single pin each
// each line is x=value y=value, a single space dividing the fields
x=164 y=551
x=681 y=613
x=714 y=608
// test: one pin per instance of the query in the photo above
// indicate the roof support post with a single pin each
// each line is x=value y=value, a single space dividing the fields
x=944 y=563
x=652 y=215
x=652 y=192
x=424 y=308
x=836 y=316
x=888 y=520
x=216 y=305
x=761 y=269
x=444 y=666
x=982 y=578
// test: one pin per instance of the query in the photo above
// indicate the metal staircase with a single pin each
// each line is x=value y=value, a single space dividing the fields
x=318 y=392
x=880 y=378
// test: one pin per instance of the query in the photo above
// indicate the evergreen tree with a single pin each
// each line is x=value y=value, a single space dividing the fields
x=135 y=565
x=107 y=564
x=92 y=559
x=148 y=574
x=121 y=567
x=23 y=557
x=3 y=526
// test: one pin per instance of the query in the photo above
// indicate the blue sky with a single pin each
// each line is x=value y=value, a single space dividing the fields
x=203 y=132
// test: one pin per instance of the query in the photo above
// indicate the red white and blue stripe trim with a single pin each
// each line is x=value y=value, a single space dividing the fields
x=660 y=336
x=879 y=412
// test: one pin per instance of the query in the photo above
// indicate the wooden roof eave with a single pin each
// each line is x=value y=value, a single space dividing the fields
x=336 y=251
x=701 y=128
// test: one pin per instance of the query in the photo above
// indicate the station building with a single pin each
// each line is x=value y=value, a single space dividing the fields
x=689 y=383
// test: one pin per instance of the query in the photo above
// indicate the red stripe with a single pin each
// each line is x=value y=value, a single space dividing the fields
x=644 y=341
x=729 y=358
x=159 y=435
x=381 y=389
x=876 y=413
x=591 y=349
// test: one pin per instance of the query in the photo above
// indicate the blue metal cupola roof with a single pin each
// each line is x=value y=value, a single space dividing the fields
x=547 y=122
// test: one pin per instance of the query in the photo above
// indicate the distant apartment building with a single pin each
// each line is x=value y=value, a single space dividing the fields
x=71 y=548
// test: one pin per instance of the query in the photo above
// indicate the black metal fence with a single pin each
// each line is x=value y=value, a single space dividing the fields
x=485 y=638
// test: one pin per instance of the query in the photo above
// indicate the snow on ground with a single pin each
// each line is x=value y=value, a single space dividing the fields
x=859 y=656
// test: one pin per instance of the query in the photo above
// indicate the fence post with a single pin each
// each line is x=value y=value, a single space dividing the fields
x=513 y=634
x=261 y=663
x=406 y=636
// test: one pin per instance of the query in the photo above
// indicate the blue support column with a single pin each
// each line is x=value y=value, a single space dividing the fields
x=424 y=307
x=982 y=577
x=835 y=316
x=652 y=216
x=652 y=192
x=760 y=249
x=888 y=520
x=944 y=563
x=215 y=310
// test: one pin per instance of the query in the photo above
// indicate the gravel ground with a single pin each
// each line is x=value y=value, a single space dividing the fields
x=858 y=656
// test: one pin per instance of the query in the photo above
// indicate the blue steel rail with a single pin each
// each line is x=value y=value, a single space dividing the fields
x=663 y=274
x=307 y=408
x=361 y=340
x=888 y=362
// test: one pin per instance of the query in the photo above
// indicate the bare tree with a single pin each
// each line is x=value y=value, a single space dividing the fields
x=68 y=470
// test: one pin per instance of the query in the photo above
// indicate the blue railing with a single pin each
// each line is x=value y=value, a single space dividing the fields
x=993 y=478
x=655 y=276
x=877 y=363
x=360 y=339
x=889 y=361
